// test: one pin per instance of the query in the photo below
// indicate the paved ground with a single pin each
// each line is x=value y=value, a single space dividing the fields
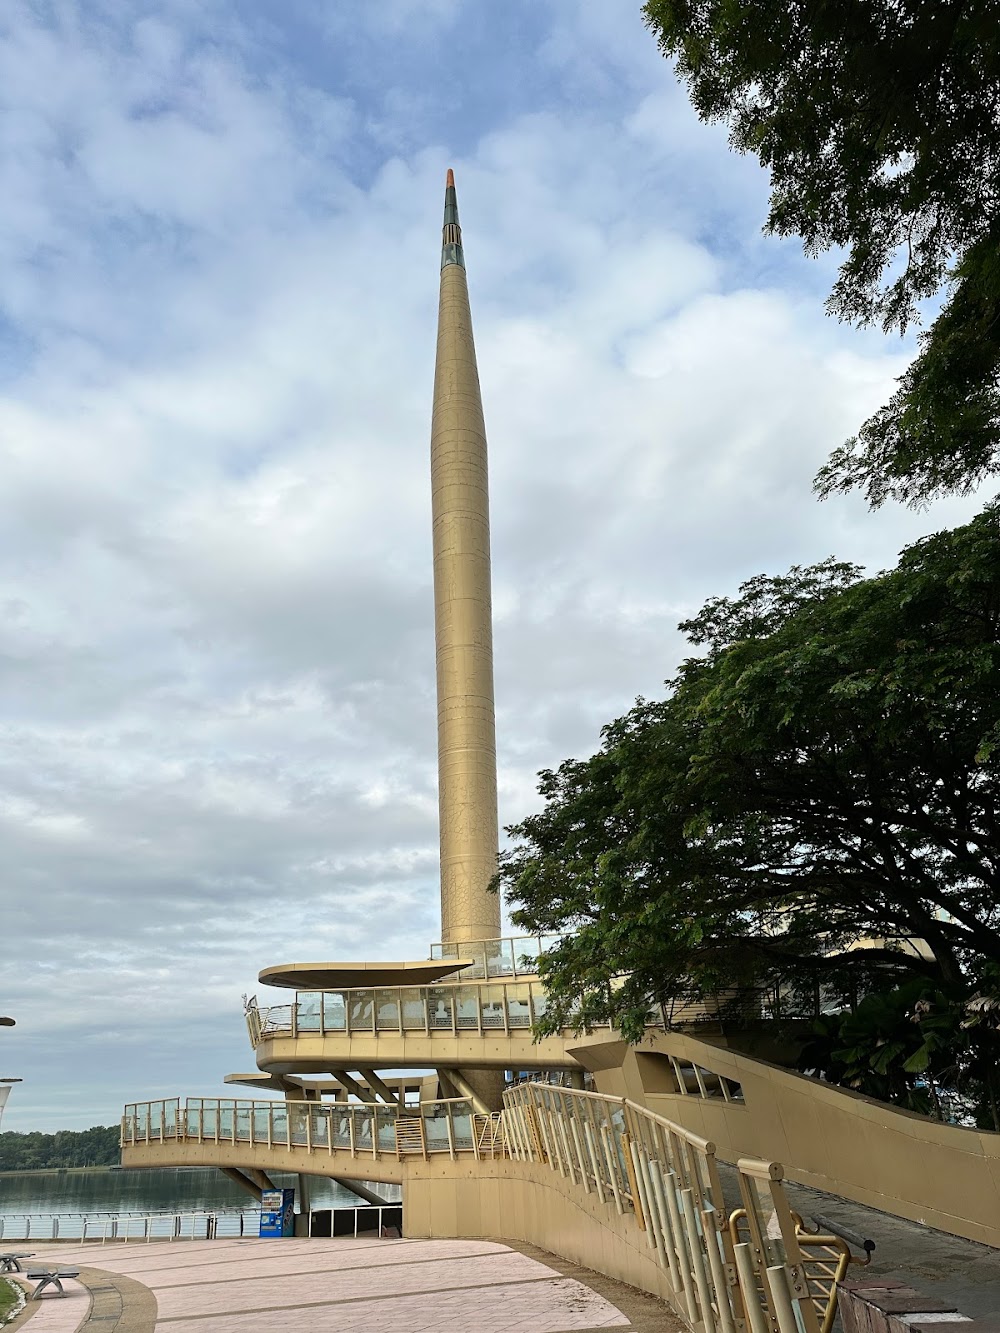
x=413 y=1286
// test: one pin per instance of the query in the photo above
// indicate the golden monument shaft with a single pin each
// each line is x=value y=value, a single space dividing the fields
x=463 y=614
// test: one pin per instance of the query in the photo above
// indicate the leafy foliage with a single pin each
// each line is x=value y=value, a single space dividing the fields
x=917 y=1046
x=825 y=775
x=97 y=1146
x=878 y=122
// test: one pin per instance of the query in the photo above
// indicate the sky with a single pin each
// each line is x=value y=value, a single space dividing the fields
x=219 y=243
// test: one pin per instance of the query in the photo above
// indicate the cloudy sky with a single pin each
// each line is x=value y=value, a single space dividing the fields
x=218 y=279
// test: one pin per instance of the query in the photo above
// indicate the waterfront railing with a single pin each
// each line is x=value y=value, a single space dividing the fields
x=105 y=1228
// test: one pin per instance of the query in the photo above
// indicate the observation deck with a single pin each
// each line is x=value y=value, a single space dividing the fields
x=486 y=1025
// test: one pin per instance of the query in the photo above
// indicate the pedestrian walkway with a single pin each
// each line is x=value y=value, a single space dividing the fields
x=943 y=1267
x=441 y=1286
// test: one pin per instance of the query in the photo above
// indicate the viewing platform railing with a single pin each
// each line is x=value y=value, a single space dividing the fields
x=493 y=1007
x=511 y=956
x=498 y=1007
x=362 y=1129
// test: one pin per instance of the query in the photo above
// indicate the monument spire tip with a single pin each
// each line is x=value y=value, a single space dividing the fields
x=451 y=236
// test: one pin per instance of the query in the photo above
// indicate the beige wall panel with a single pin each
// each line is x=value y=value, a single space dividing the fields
x=942 y=1175
x=528 y=1202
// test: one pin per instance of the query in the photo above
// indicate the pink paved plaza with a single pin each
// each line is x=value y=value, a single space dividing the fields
x=343 y=1284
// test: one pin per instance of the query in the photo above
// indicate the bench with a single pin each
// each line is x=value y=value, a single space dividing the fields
x=49 y=1277
x=10 y=1261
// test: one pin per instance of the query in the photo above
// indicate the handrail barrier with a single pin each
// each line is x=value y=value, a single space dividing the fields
x=665 y=1181
x=509 y=956
x=364 y=1129
x=222 y=1224
x=491 y=1007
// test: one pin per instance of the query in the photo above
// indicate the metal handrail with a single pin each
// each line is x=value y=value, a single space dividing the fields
x=665 y=1178
x=361 y=1128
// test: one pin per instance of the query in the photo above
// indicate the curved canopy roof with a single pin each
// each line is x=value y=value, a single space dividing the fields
x=346 y=976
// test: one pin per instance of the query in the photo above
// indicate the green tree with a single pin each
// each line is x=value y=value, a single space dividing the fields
x=33 y=1151
x=825 y=773
x=878 y=121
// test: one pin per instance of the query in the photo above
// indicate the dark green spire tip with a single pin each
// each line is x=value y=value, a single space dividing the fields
x=451 y=234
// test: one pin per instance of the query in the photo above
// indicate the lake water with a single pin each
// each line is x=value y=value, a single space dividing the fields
x=187 y=1190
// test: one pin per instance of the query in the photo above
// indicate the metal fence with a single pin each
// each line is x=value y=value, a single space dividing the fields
x=123 y=1226
x=104 y=1228
x=664 y=1180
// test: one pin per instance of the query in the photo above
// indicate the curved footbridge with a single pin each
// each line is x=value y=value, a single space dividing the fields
x=599 y=1180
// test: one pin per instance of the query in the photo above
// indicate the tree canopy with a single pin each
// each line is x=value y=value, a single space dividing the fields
x=878 y=121
x=97 y=1146
x=825 y=772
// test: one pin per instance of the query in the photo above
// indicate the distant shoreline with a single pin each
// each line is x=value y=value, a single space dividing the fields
x=57 y=1171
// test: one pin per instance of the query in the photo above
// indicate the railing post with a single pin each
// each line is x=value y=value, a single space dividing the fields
x=723 y=1290
x=684 y=1242
x=749 y=1290
x=781 y=1298
x=698 y=1260
x=612 y=1160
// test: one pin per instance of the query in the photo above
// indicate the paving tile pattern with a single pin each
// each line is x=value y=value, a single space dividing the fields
x=412 y=1286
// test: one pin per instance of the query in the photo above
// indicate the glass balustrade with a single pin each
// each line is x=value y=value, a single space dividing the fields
x=353 y=1126
x=510 y=1006
x=512 y=956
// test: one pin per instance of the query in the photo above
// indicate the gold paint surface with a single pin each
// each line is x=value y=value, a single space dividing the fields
x=463 y=627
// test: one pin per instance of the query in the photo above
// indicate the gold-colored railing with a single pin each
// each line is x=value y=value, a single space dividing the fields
x=361 y=1129
x=760 y=1272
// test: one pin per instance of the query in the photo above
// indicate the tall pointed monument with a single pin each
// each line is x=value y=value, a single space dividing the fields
x=463 y=614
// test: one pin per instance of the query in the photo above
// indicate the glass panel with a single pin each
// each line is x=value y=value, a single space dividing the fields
x=155 y=1118
x=518 y=1006
x=436 y=1128
x=462 y=1128
x=308 y=1010
x=363 y=1128
x=387 y=1010
x=413 y=1011
x=226 y=1122
x=279 y=1122
x=360 y=1010
x=170 y=1118
x=241 y=1122
x=538 y=1002
x=439 y=1005
x=491 y=1000
x=261 y=1115
x=526 y=954
x=341 y=1125
x=334 y=1011
x=477 y=952
x=500 y=958
x=386 y=1120
x=468 y=1007
x=209 y=1119
x=297 y=1117
x=320 y=1127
